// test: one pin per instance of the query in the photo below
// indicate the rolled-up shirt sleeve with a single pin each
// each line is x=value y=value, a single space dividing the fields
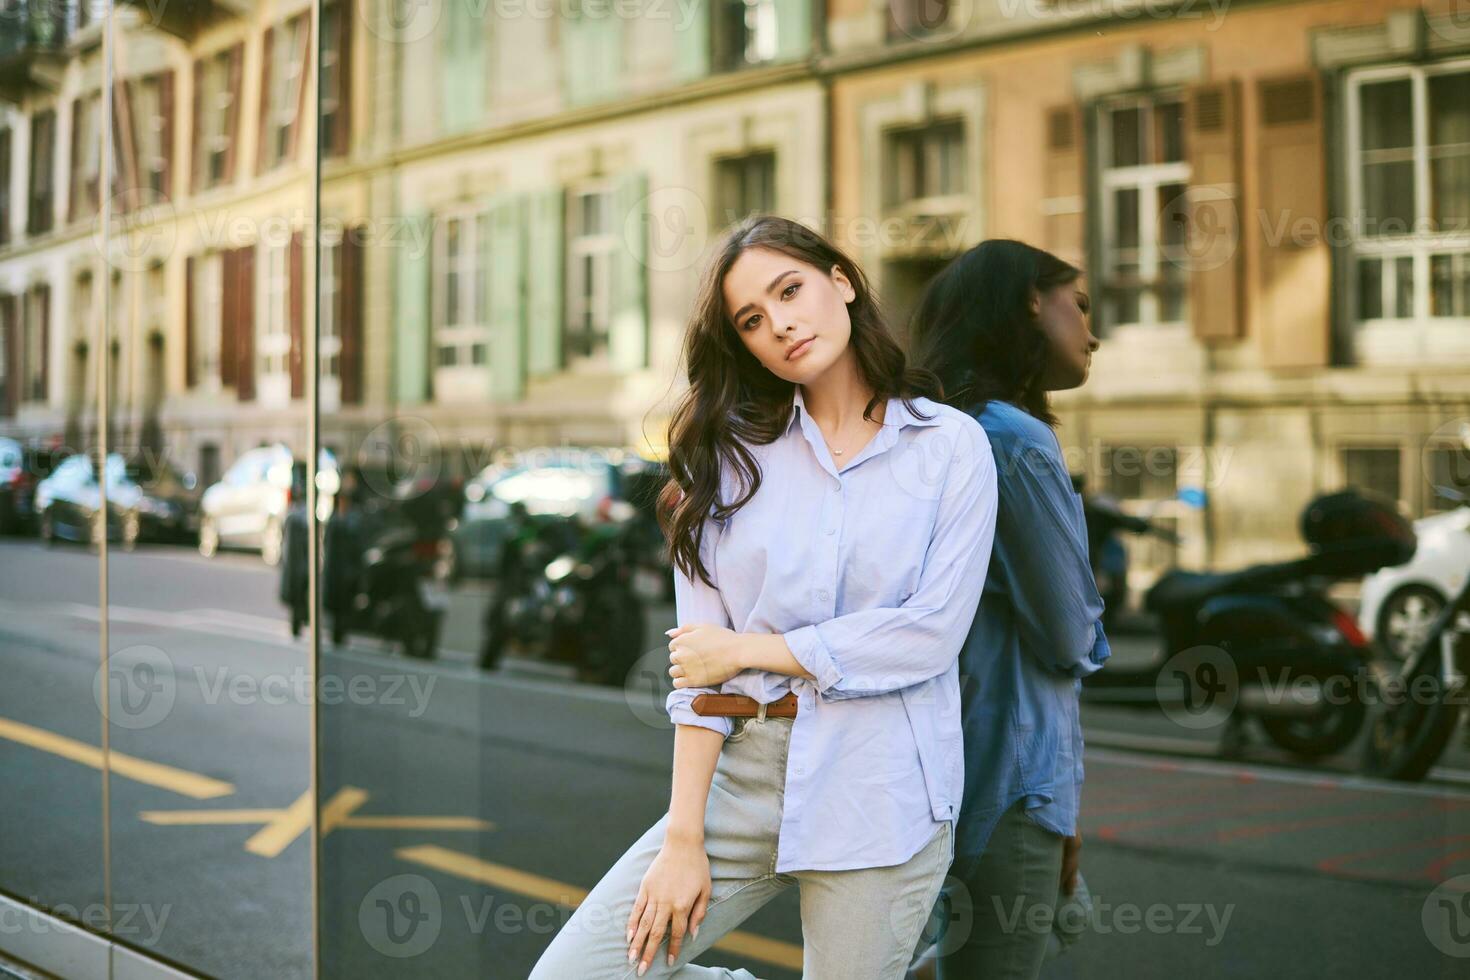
x=874 y=651
x=695 y=601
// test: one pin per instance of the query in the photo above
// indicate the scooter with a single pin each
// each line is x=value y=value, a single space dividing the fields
x=1422 y=700
x=1105 y=519
x=1265 y=642
x=378 y=589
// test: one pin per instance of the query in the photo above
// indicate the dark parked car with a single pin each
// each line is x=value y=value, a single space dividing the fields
x=145 y=502
x=21 y=468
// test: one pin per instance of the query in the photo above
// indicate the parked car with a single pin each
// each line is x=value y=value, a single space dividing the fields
x=247 y=507
x=585 y=483
x=145 y=502
x=21 y=468
x=1400 y=603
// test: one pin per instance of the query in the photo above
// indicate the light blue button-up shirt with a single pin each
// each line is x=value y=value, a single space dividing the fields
x=872 y=573
x=1037 y=633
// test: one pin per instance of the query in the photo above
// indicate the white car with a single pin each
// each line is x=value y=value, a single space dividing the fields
x=247 y=507
x=1400 y=602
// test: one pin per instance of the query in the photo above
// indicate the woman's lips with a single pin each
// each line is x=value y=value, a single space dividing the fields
x=799 y=349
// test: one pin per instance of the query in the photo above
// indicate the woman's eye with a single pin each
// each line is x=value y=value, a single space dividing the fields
x=751 y=322
x=786 y=293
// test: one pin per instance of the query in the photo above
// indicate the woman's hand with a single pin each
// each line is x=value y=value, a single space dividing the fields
x=702 y=655
x=1071 y=859
x=673 y=899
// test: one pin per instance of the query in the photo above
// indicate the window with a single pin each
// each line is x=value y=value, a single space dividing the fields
x=42 y=202
x=329 y=330
x=87 y=151
x=591 y=242
x=462 y=291
x=206 y=294
x=287 y=74
x=151 y=128
x=333 y=117
x=745 y=185
x=1447 y=465
x=1373 y=469
x=273 y=341
x=916 y=18
x=33 y=348
x=1409 y=135
x=215 y=116
x=1140 y=472
x=924 y=165
x=1144 y=177
x=744 y=33
x=119 y=384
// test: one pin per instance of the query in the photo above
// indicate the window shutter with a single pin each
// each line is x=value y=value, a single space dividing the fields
x=245 y=326
x=304 y=58
x=463 y=68
x=592 y=57
x=166 y=132
x=628 y=331
x=229 y=318
x=266 y=45
x=692 y=51
x=1295 y=275
x=1062 y=211
x=544 y=281
x=125 y=175
x=349 y=314
x=793 y=30
x=295 y=312
x=507 y=306
x=1212 y=243
x=411 y=317
x=191 y=369
x=198 y=153
x=74 y=191
x=43 y=313
x=232 y=113
x=342 y=127
x=10 y=369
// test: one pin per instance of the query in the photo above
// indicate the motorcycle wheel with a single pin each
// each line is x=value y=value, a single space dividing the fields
x=1329 y=731
x=492 y=648
x=420 y=633
x=1405 y=739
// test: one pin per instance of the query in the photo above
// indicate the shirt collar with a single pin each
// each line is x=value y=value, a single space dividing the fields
x=897 y=414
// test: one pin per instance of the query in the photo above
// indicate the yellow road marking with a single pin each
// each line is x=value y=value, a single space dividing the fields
x=279 y=827
x=180 y=781
x=549 y=890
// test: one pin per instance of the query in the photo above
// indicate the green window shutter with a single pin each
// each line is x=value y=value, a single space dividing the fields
x=692 y=42
x=507 y=298
x=793 y=30
x=411 y=316
x=462 y=69
x=628 y=331
x=544 y=280
x=592 y=57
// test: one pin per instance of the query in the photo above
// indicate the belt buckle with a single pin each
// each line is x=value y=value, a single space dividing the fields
x=760 y=714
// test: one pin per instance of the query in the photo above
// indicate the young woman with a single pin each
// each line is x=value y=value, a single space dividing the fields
x=1001 y=326
x=831 y=528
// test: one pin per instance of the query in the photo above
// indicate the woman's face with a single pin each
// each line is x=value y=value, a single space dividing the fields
x=792 y=316
x=1061 y=313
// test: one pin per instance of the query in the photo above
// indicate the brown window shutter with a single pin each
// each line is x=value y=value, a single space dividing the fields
x=191 y=369
x=293 y=138
x=266 y=45
x=5 y=186
x=245 y=326
x=198 y=153
x=1295 y=288
x=341 y=131
x=1212 y=212
x=229 y=316
x=295 y=313
x=43 y=312
x=10 y=370
x=94 y=188
x=349 y=314
x=1063 y=182
x=74 y=191
x=125 y=180
x=41 y=201
x=233 y=75
x=166 y=132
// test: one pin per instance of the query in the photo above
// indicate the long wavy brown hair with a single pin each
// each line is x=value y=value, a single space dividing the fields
x=734 y=402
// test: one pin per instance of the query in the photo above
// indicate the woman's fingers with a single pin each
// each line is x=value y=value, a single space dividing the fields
x=640 y=935
x=659 y=922
x=701 y=906
x=634 y=916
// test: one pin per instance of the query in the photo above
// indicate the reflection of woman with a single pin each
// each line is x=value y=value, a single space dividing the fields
x=831 y=530
x=1001 y=326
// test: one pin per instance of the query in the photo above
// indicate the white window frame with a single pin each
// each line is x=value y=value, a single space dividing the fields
x=1146 y=179
x=85 y=310
x=461 y=377
x=329 y=336
x=273 y=326
x=761 y=32
x=34 y=382
x=152 y=154
x=287 y=77
x=1419 y=336
x=581 y=246
x=89 y=124
x=207 y=320
x=215 y=140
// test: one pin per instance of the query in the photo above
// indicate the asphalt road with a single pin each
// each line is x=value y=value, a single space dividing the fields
x=465 y=814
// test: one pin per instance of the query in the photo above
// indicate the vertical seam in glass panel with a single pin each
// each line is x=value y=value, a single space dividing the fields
x=313 y=422
x=109 y=40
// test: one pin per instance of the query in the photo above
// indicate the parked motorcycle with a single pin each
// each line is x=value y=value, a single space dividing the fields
x=565 y=593
x=1422 y=700
x=1105 y=519
x=1294 y=658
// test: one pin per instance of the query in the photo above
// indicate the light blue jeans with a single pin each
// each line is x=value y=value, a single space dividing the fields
x=861 y=924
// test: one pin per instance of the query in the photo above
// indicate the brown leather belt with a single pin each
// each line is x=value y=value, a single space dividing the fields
x=743 y=706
